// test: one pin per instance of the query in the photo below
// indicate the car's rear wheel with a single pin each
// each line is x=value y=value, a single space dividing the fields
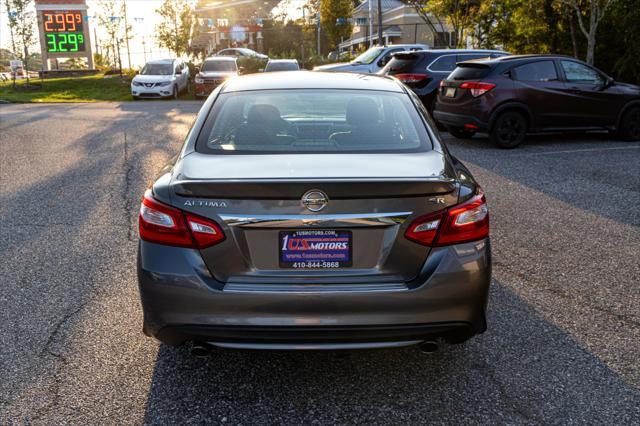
x=509 y=130
x=630 y=125
x=460 y=133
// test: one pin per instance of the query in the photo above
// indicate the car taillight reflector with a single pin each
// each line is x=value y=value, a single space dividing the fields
x=465 y=222
x=411 y=78
x=163 y=224
x=477 y=88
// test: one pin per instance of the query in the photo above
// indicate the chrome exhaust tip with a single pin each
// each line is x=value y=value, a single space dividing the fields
x=429 y=347
x=200 y=350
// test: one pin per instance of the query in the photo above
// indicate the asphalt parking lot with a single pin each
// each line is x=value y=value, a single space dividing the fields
x=564 y=322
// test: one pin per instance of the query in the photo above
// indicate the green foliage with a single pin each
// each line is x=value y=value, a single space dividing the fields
x=21 y=18
x=111 y=20
x=330 y=12
x=73 y=89
x=174 y=32
x=618 y=48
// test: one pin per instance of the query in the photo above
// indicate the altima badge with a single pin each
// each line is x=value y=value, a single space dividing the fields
x=315 y=200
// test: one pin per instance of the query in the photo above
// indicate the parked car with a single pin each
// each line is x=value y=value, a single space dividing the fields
x=422 y=70
x=511 y=96
x=372 y=60
x=314 y=211
x=214 y=71
x=240 y=52
x=163 y=78
x=282 y=65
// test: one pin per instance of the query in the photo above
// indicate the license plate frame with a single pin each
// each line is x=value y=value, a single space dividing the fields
x=299 y=249
x=450 y=92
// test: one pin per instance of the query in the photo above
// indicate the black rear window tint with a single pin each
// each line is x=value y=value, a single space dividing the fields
x=444 y=63
x=470 y=72
x=312 y=121
x=536 y=71
x=402 y=64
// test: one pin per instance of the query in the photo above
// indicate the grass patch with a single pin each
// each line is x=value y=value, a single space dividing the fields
x=69 y=89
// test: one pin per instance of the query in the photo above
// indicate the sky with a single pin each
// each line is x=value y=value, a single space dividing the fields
x=143 y=19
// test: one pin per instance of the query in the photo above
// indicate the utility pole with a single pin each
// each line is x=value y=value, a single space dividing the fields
x=119 y=59
x=95 y=39
x=380 y=41
x=318 y=17
x=126 y=31
x=370 y=24
x=144 y=49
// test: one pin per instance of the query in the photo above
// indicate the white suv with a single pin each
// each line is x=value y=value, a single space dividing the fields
x=162 y=78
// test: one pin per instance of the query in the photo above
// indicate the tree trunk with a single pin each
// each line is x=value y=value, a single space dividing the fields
x=572 y=31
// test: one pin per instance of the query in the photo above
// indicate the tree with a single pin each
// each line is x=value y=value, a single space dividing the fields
x=21 y=22
x=427 y=16
x=174 y=32
x=334 y=15
x=11 y=29
x=111 y=19
x=595 y=10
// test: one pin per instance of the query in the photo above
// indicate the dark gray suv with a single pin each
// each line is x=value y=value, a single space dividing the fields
x=314 y=211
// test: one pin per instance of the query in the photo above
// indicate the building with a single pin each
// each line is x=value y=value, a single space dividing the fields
x=230 y=23
x=400 y=24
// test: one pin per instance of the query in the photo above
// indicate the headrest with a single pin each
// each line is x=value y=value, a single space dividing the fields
x=362 y=111
x=263 y=114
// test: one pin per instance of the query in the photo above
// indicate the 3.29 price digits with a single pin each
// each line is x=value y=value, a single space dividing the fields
x=65 y=42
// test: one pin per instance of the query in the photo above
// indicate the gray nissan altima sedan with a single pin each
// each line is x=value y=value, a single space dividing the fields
x=312 y=210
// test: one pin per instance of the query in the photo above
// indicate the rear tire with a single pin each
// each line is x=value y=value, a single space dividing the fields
x=509 y=130
x=629 y=129
x=461 y=133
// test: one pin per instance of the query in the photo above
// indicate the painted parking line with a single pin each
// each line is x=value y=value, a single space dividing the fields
x=571 y=151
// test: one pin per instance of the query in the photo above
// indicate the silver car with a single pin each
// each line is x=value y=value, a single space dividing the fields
x=314 y=210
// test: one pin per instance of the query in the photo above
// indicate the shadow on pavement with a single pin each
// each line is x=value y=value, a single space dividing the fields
x=523 y=370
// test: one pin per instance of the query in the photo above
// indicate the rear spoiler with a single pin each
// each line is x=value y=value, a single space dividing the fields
x=283 y=189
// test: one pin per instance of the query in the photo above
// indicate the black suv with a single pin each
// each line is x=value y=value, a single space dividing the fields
x=510 y=96
x=422 y=70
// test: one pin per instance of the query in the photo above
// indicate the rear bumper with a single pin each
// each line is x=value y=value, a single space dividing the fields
x=204 y=89
x=182 y=302
x=460 y=120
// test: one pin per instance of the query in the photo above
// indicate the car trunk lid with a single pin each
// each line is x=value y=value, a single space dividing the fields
x=259 y=204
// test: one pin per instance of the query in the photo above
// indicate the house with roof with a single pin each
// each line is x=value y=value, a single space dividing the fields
x=401 y=24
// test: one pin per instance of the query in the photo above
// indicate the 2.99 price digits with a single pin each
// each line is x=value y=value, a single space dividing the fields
x=62 y=21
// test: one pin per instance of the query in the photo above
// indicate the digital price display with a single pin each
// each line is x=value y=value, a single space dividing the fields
x=63 y=31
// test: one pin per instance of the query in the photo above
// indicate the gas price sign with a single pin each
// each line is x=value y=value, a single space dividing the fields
x=63 y=31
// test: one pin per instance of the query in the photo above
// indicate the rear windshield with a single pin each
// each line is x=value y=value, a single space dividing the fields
x=222 y=66
x=313 y=121
x=402 y=63
x=282 y=66
x=469 y=72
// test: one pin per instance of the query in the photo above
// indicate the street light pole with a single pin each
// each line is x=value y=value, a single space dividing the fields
x=380 y=41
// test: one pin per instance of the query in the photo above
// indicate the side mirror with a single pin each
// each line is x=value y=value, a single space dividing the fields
x=610 y=82
x=178 y=72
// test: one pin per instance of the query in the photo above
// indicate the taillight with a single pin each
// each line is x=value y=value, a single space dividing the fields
x=465 y=222
x=477 y=88
x=411 y=78
x=163 y=224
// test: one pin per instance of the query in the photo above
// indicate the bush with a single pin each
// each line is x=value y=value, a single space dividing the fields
x=251 y=65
